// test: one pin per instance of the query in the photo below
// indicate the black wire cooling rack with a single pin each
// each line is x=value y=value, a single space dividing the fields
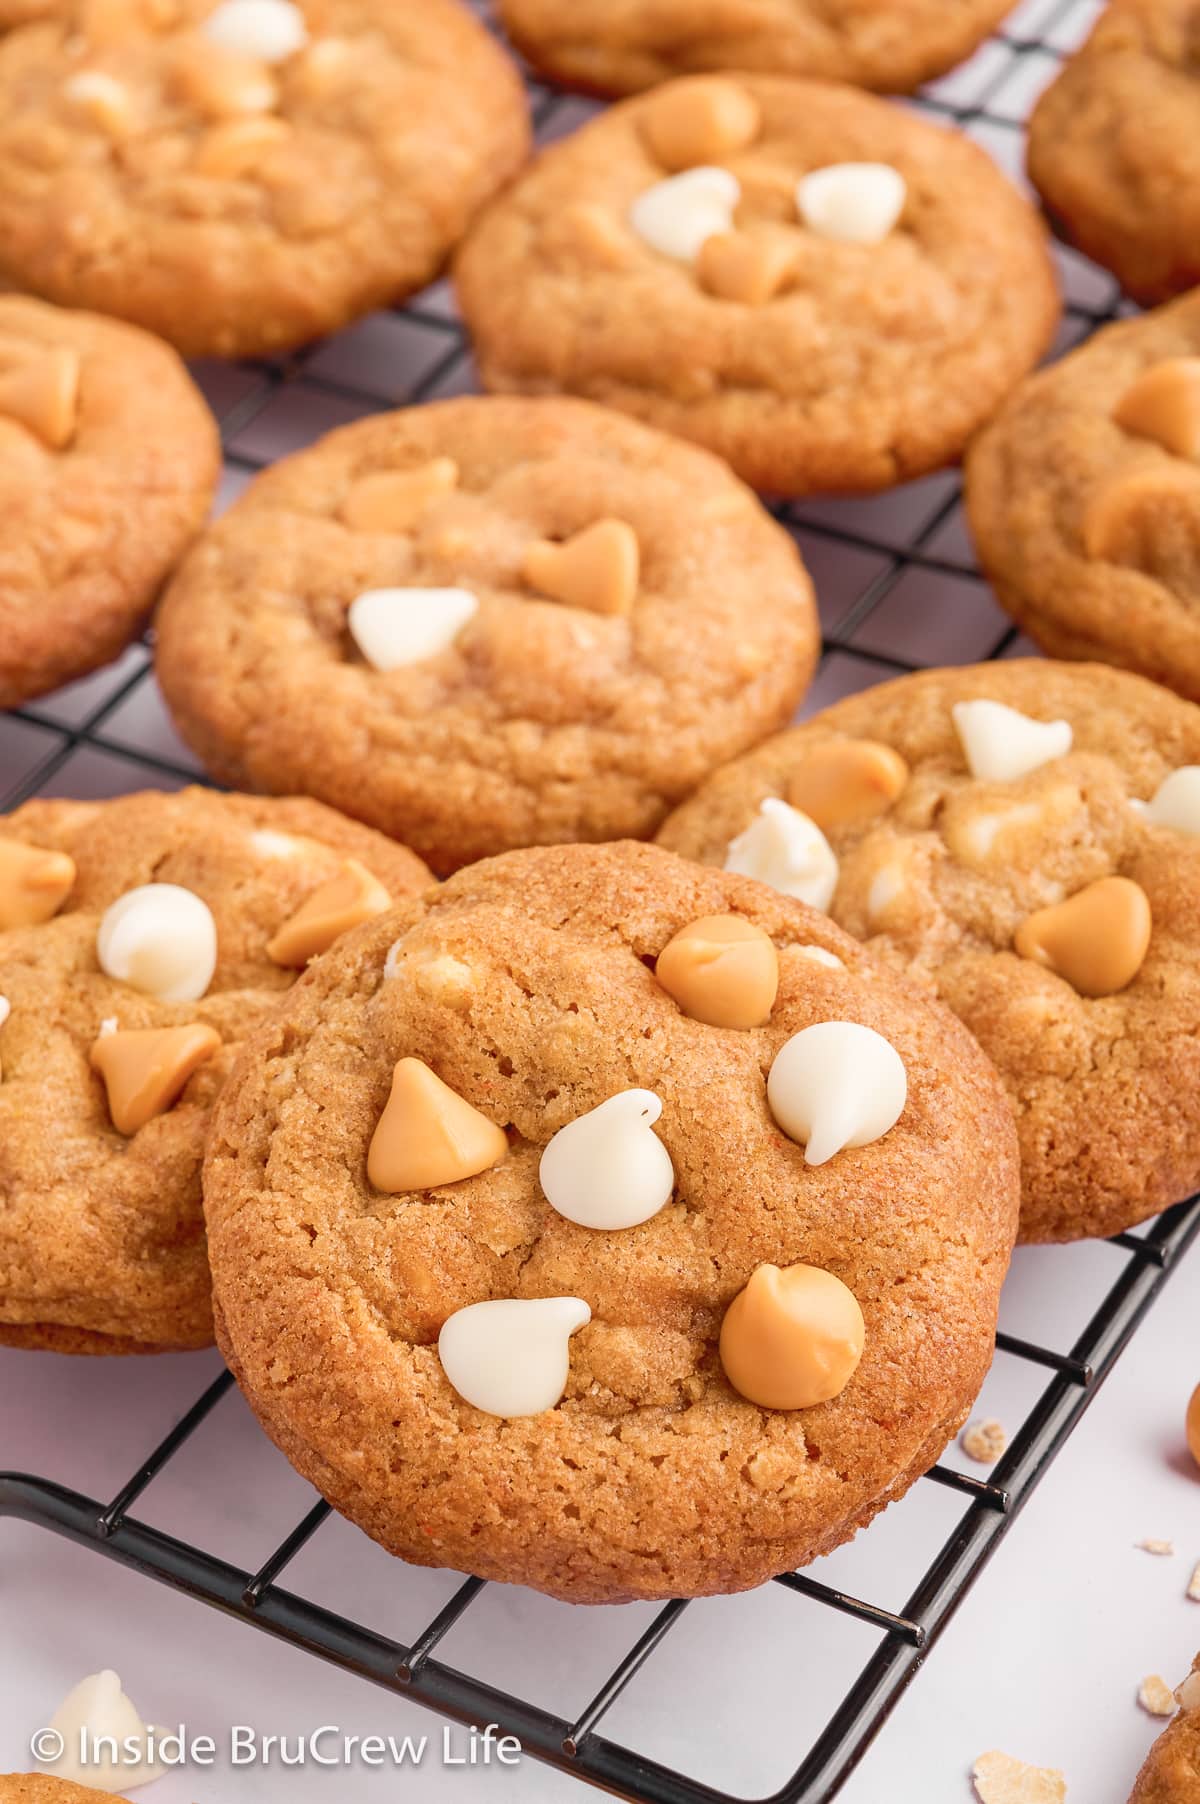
x=109 y=734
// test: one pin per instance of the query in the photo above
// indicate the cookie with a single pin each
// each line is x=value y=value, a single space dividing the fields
x=496 y=1303
x=244 y=177
x=1170 y=1773
x=1037 y=865
x=43 y=1788
x=825 y=289
x=140 y=940
x=1084 y=499
x=1114 y=151
x=484 y=624
x=108 y=462
x=619 y=48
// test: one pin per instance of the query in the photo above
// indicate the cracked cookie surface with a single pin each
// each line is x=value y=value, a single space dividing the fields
x=524 y=982
x=1114 y=150
x=533 y=724
x=940 y=882
x=868 y=365
x=108 y=462
x=101 y=1236
x=619 y=46
x=239 y=207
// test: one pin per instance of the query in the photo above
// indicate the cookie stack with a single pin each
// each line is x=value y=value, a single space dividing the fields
x=624 y=1219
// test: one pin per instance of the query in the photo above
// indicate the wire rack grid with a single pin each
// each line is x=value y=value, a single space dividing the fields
x=898 y=590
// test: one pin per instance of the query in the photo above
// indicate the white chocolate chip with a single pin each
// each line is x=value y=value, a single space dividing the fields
x=101 y=96
x=98 y=1706
x=391 y=963
x=1188 y=1694
x=608 y=1168
x=1156 y=1696
x=109 y=1025
x=160 y=939
x=268 y=30
x=394 y=627
x=858 y=203
x=676 y=216
x=1001 y=744
x=836 y=1085
x=511 y=1357
x=784 y=848
x=817 y=955
x=887 y=885
x=269 y=844
x=1176 y=801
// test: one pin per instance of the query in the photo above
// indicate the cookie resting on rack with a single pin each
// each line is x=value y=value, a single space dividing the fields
x=1024 y=837
x=108 y=462
x=826 y=289
x=488 y=623
x=245 y=176
x=1084 y=499
x=609 y=1225
x=620 y=46
x=140 y=940
x=1114 y=149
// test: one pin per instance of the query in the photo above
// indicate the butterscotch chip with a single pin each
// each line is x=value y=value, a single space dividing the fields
x=721 y=970
x=703 y=120
x=740 y=268
x=429 y=1136
x=984 y=1441
x=1155 y=1696
x=1164 y=405
x=146 y=1070
x=346 y=901
x=332 y=1296
x=999 y=1779
x=847 y=782
x=893 y=45
x=101 y=1233
x=1097 y=939
x=531 y=723
x=869 y=365
x=108 y=460
x=395 y=500
x=1106 y=1092
x=34 y=883
x=1088 y=530
x=1113 y=148
x=793 y=1338
x=392 y=128
x=596 y=568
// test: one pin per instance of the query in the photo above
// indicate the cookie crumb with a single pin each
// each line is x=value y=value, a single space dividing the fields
x=984 y=1441
x=999 y=1779
x=1157 y=1547
x=1156 y=1696
x=1193 y=1589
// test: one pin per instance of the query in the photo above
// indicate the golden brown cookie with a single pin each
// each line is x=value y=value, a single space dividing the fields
x=1084 y=499
x=1016 y=868
x=1170 y=1773
x=1114 y=149
x=827 y=290
x=631 y=1467
x=485 y=624
x=43 y=1788
x=620 y=46
x=101 y=1238
x=246 y=176
x=108 y=462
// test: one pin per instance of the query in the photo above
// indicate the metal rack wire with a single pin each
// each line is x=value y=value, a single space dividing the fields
x=109 y=734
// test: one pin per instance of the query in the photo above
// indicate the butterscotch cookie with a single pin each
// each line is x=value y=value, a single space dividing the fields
x=108 y=462
x=1171 y=1771
x=618 y=48
x=1023 y=837
x=485 y=624
x=1084 y=499
x=140 y=940
x=1114 y=150
x=562 y=1283
x=245 y=176
x=824 y=288
x=43 y=1788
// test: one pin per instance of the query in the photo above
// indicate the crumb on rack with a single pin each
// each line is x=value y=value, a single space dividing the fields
x=984 y=1441
x=1159 y=1547
x=1156 y=1696
x=999 y=1779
